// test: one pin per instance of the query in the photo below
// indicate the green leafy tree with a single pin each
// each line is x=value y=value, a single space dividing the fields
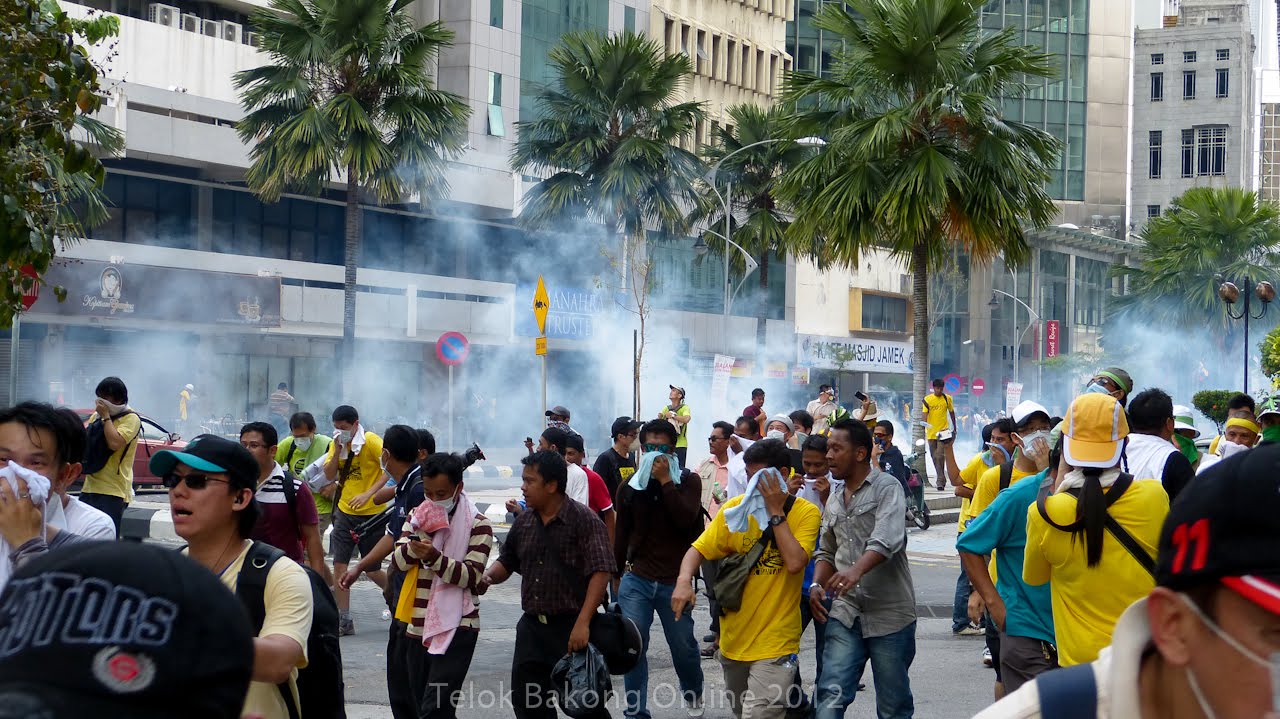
x=919 y=160
x=50 y=183
x=1270 y=347
x=1212 y=403
x=1206 y=236
x=749 y=176
x=348 y=95
x=606 y=140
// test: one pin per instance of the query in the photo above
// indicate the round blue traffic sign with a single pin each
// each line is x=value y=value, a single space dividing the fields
x=452 y=348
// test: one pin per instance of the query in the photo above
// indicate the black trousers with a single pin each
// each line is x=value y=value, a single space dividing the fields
x=112 y=505
x=421 y=685
x=538 y=647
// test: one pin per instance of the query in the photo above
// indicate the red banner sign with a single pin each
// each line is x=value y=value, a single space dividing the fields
x=1051 y=330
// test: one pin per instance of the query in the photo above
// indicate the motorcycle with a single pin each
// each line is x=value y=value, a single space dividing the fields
x=917 y=508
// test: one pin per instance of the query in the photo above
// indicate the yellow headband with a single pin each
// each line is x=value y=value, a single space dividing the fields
x=1244 y=424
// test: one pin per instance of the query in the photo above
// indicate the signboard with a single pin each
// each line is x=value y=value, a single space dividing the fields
x=800 y=375
x=861 y=355
x=742 y=368
x=539 y=346
x=30 y=296
x=1012 y=396
x=953 y=383
x=775 y=370
x=721 y=368
x=541 y=305
x=571 y=312
x=978 y=387
x=452 y=348
x=1051 y=330
x=145 y=292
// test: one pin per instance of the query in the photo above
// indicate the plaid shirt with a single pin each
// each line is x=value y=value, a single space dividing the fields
x=577 y=536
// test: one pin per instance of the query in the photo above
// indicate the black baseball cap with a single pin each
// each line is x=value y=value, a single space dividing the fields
x=121 y=631
x=1222 y=528
x=210 y=453
x=623 y=425
x=559 y=411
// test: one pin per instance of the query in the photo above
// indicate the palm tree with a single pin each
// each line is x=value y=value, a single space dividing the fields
x=606 y=140
x=751 y=174
x=919 y=160
x=348 y=95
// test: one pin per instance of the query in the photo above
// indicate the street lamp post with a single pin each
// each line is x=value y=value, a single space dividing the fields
x=701 y=246
x=1017 y=349
x=1230 y=294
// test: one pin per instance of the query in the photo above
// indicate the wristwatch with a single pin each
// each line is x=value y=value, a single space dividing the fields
x=815 y=585
x=776 y=519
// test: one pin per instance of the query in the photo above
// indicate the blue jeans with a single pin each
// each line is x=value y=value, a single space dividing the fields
x=845 y=658
x=639 y=599
x=819 y=633
x=960 y=605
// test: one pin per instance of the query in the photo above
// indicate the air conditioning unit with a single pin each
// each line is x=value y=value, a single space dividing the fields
x=211 y=28
x=166 y=15
x=232 y=31
x=190 y=22
x=253 y=38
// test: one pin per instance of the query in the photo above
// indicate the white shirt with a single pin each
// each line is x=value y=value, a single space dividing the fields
x=738 y=470
x=807 y=492
x=577 y=488
x=1115 y=672
x=88 y=522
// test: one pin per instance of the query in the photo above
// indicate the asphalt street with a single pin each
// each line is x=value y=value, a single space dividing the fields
x=948 y=679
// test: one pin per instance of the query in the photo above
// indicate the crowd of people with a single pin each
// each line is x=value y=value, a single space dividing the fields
x=1098 y=593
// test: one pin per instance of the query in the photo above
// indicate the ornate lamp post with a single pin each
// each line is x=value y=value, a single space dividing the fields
x=1229 y=293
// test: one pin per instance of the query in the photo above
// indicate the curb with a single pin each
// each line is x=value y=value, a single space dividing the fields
x=492 y=471
x=151 y=521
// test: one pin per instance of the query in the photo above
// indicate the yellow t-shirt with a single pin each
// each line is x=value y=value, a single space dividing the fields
x=682 y=430
x=969 y=476
x=116 y=477
x=366 y=469
x=937 y=413
x=183 y=396
x=1087 y=601
x=289 y=611
x=768 y=625
x=984 y=493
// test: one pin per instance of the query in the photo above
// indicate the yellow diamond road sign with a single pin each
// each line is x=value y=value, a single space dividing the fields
x=541 y=305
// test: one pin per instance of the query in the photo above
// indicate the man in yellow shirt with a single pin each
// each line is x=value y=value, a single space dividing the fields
x=355 y=462
x=939 y=414
x=211 y=486
x=110 y=489
x=760 y=641
x=1093 y=575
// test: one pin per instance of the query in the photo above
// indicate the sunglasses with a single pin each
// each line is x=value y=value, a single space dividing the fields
x=194 y=481
x=661 y=448
x=712 y=439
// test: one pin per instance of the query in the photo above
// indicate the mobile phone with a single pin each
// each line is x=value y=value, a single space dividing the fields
x=529 y=440
x=860 y=396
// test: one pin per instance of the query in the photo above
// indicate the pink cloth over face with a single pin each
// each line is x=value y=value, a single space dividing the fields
x=449 y=603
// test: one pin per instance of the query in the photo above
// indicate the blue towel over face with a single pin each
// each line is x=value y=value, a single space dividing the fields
x=640 y=480
x=752 y=504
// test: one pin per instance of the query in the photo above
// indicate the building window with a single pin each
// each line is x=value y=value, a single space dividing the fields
x=1211 y=151
x=1157 y=58
x=1188 y=84
x=884 y=313
x=629 y=19
x=497 y=127
x=1222 y=78
x=1153 y=211
x=1155 y=139
x=495 y=12
x=1189 y=56
x=1157 y=87
x=1188 y=153
x=1223 y=54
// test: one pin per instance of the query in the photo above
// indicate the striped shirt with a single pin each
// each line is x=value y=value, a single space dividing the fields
x=464 y=574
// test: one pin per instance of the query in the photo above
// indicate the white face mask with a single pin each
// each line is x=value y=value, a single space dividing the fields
x=302 y=443
x=448 y=504
x=775 y=434
x=1029 y=439
x=116 y=408
x=1230 y=641
x=1226 y=448
x=344 y=435
x=382 y=461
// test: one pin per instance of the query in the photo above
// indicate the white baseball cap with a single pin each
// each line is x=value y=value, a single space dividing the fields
x=1182 y=420
x=1025 y=409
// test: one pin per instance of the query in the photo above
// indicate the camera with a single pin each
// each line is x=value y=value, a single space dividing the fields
x=472 y=455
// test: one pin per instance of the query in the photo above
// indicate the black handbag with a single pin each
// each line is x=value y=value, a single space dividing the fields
x=736 y=568
x=582 y=683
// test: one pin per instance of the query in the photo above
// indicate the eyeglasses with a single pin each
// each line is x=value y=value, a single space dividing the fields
x=714 y=438
x=880 y=435
x=660 y=448
x=194 y=481
x=254 y=445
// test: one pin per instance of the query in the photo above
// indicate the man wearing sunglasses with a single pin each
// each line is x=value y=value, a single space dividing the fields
x=211 y=484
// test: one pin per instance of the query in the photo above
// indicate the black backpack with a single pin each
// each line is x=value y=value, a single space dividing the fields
x=320 y=687
x=96 y=451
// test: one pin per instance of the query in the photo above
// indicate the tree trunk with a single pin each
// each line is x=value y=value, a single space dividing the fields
x=764 y=270
x=350 y=260
x=637 y=255
x=920 y=325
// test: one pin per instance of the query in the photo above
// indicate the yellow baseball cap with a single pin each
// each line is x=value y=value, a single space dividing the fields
x=1094 y=429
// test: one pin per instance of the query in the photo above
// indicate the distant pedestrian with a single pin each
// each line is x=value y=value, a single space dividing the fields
x=110 y=488
x=280 y=404
x=939 y=414
x=679 y=415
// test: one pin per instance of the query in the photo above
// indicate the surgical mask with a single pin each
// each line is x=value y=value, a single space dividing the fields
x=302 y=443
x=1230 y=641
x=1226 y=448
x=448 y=504
x=344 y=435
x=1029 y=439
x=775 y=434
x=382 y=462
x=1096 y=388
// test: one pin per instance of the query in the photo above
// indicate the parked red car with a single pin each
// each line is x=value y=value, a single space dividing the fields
x=154 y=438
